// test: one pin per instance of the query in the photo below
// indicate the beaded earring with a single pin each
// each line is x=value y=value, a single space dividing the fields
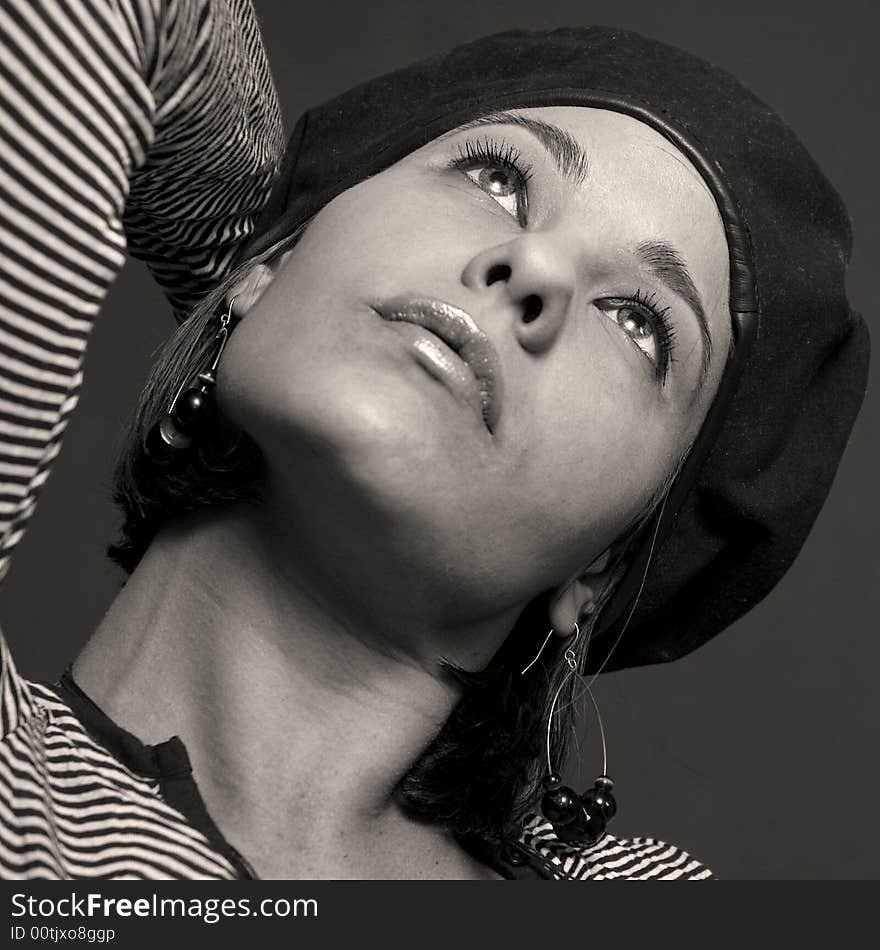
x=576 y=819
x=192 y=407
x=582 y=819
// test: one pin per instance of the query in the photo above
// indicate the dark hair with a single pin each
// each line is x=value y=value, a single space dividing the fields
x=482 y=773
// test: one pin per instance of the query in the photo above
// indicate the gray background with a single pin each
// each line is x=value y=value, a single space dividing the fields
x=754 y=753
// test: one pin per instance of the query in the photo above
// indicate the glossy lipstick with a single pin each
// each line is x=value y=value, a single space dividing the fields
x=460 y=333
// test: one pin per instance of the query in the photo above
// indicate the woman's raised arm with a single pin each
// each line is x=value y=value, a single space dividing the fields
x=128 y=125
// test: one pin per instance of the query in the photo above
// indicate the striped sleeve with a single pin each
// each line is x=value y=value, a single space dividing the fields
x=127 y=125
x=217 y=149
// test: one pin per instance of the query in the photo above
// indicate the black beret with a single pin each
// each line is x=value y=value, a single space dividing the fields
x=763 y=464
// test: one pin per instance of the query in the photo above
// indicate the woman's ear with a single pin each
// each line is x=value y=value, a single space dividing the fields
x=574 y=602
x=249 y=288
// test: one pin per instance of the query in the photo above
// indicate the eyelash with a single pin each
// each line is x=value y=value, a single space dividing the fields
x=488 y=151
x=658 y=316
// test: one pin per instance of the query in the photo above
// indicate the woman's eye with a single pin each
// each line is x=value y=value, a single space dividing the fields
x=638 y=326
x=646 y=325
x=503 y=184
x=497 y=168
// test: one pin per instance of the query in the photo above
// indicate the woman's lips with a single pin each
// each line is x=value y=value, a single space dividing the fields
x=456 y=329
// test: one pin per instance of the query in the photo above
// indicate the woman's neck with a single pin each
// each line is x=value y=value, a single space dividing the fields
x=299 y=724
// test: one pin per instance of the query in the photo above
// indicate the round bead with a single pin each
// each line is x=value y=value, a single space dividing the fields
x=158 y=450
x=191 y=409
x=560 y=805
x=594 y=823
x=172 y=435
x=603 y=799
x=164 y=441
x=587 y=828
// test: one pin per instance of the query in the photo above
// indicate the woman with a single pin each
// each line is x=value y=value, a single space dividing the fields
x=469 y=370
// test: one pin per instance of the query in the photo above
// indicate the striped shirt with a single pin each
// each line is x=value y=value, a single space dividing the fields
x=150 y=128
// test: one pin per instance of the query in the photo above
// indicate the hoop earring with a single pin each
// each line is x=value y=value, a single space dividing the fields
x=191 y=408
x=583 y=818
x=576 y=819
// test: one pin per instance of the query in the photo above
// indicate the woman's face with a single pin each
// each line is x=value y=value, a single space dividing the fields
x=478 y=366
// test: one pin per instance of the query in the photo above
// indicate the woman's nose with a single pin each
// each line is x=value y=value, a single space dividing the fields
x=536 y=278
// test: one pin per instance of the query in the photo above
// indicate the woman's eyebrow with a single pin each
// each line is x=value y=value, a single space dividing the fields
x=668 y=266
x=568 y=156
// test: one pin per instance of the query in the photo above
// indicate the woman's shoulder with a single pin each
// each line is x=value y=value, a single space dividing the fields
x=611 y=858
